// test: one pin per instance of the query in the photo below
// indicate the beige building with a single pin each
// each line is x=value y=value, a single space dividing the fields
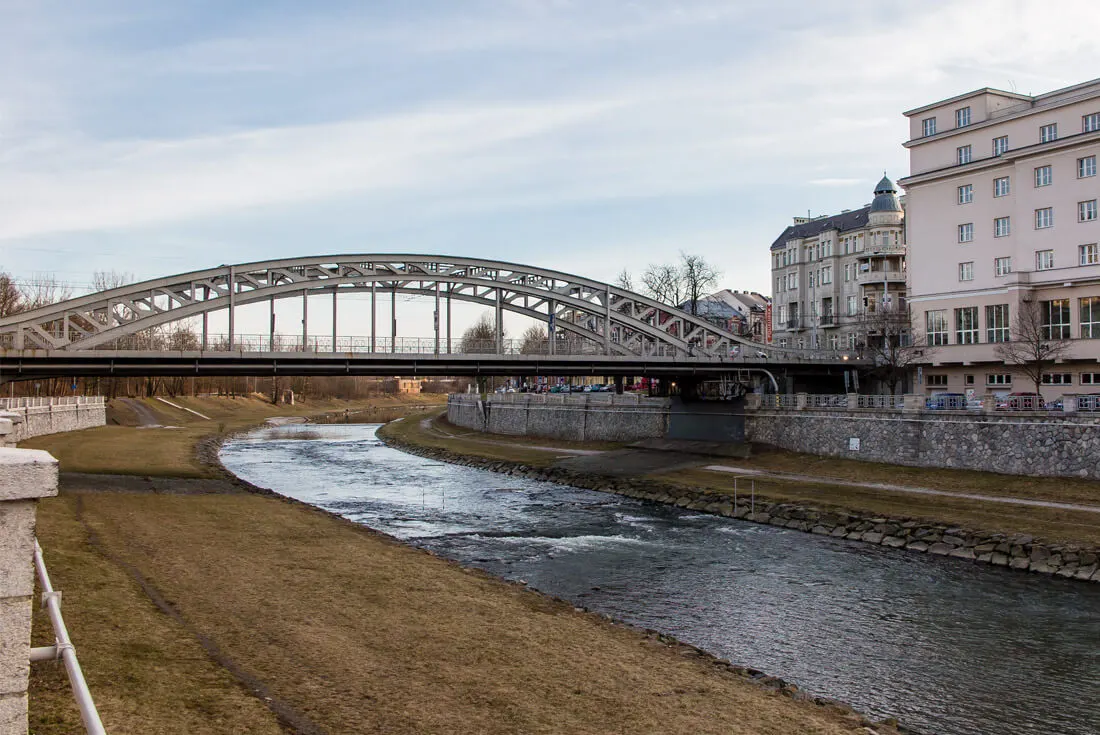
x=830 y=275
x=1002 y=211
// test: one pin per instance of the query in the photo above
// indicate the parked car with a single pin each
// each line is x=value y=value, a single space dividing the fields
x=1024 y=401
x=946 y=402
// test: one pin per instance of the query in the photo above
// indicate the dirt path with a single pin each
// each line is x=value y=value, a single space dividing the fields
x=144 y=414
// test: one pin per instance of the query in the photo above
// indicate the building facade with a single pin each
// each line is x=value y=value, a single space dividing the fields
x=741 y=312
x=831 y=276
x=1001 y=223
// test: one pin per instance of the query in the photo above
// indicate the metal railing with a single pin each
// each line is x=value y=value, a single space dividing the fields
x=63 y=648
x=43 y=401
x=1088 y=404
x=823 y=400
x=880 y=402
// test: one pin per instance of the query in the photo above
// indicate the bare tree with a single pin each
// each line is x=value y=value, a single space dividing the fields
x=11 y=298
x=106 y=280
x=45 y=289
x=664 y=283
x=534 y=340
x=1033 y=347
x=688 y=280
x=698 y=276
x=893 y=345
x=624 y=280
x=480 y=337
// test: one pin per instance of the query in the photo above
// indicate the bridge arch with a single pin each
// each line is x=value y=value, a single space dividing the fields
x=606 y=319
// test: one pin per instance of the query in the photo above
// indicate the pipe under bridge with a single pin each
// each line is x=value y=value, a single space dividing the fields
x=590 y=327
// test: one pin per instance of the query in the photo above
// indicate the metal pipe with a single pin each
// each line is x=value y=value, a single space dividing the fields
x=334 y=290
x=393 y=318
x=436 y=317
x=373 y=315
x=51 y=600
x=449 y=288
x=232 y=301
x=305 y=320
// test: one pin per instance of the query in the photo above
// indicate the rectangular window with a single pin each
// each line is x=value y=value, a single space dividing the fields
x=1002 y=266
x=1001 y=227
x=936 y=380
x=1090 y=123
x=1055 y=318
x=1044 y=176
x=998 y=379
x=996 y=323
x=853 y=306
x=966 y=232
x=966 y=271
x=1000 y=145
x=1057 y=378
x=1090 y=317
x=1086 y=167
x=1001 y=187
x=1086 y=211
x=1044 y=260
x=968 y=379
x=966 y=325
x=962 y=154
x=1089 y=254
x=962 y=117
x=1047 y=133
x=966 y=194
x=826 y=275
x=935 y=326
x=1044 y=218
x=928 y=126
x=1090 y=378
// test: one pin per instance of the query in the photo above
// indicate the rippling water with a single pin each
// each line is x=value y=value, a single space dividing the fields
x=948 y=647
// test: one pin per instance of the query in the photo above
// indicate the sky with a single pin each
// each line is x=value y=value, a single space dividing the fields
x=588 y=136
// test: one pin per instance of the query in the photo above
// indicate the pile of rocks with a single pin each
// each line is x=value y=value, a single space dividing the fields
x=1015 y=551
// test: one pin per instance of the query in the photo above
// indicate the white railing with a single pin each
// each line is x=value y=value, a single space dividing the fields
x=44 y=401
x=880 y=402
x=822 y=400
x=63 y=649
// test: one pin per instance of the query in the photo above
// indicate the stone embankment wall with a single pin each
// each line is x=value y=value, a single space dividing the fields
x=38 y=416
x=584 y=417
x=1014 y=551
x=1038 y=444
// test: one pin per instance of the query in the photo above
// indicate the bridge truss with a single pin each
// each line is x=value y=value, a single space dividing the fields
x=582 y=316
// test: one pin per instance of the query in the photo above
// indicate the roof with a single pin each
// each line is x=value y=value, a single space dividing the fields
x=842 y=222
x=742 y=301
x=711 y=307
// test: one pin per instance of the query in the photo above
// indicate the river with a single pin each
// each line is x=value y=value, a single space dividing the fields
x=946 y=646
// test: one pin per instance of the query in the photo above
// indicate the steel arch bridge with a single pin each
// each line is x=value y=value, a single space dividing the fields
x=582 y=315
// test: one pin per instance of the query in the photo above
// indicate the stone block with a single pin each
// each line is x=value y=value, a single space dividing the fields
x=917 y=546
x=872 y=537
x=17 y=548
x=961 y=553
x=15 y=641
x=13 y=713
x=1019 y=562
x=893 y=542
x=27 y=473
x=999 y=559
x=839 y=531
x=939 y=548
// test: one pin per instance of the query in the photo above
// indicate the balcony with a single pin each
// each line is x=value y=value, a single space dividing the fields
x=828 y=320
x=868 y=277
x=795 y=323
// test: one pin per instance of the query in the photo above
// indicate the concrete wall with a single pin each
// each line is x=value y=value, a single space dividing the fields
x=593 y=417
x=25 y=476
x=1038 y=445
x=38 y=416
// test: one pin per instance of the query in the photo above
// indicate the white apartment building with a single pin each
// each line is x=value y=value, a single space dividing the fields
x=1002 y=210
x=829 y=273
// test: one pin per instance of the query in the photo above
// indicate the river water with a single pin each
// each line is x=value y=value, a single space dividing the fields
x=948 y=647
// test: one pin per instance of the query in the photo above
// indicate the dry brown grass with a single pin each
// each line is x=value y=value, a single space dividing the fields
x=358 y=633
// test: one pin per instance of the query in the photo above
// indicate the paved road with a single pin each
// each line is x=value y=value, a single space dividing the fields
x=145 y=415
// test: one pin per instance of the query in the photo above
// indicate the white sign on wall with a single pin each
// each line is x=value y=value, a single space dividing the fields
x=853 y=444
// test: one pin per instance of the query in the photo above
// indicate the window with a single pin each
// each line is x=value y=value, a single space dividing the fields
x=1057 y=378
x=1086 y=167
x=826 y=275
x=962 y=117
x=851 y=341
x=1090 y=317
x=937 y=380
x=962 y=154
x=966 y=271
x=935 y=326
x=928 y=126
x=853 y=306
x=1001 y=227
x=1002 y=266
x=1044 y=260
x=1044 y=218
x=1044 y=176
x=1086 y=211
x=968 y=379
x=1000 y=187
x=966 y=232
x=1090 y=123
x=998 y=379
x=1000 y=145
x=1090 y=254
x=996 y=323
x=966 y=194
x=966 y=325
x=1047 y=133
x=847 y=272
x=1090 y=378
x=1055 y=316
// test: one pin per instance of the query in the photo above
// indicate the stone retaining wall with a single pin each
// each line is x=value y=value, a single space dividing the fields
x=585 y=417
x=34 y=417
x=1014 y=551
x=1038 y=445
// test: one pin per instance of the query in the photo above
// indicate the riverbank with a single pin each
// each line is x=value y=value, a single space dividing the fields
x=200 y=606
x=1008 y=536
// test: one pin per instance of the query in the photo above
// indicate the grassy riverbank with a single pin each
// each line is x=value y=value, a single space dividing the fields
x=197 y=606
x=1053 y=524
